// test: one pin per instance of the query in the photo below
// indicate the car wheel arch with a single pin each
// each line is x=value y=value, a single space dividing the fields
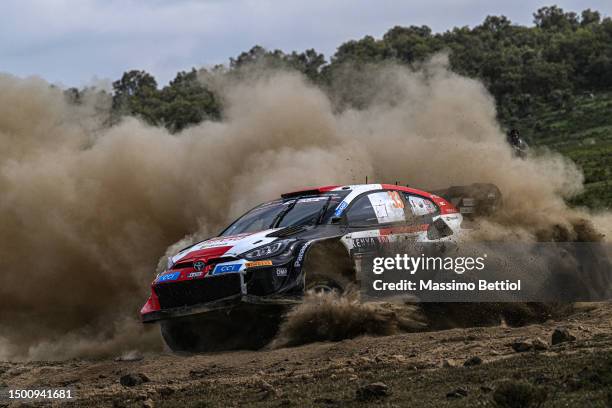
x=330 y=253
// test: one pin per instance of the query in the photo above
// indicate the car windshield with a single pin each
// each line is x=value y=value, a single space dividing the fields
x=287 y=213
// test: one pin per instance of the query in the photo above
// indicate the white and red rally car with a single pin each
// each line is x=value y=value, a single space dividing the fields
x=308 y=239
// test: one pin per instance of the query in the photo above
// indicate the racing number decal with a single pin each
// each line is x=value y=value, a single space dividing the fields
x=388 y=206
x=397 y=200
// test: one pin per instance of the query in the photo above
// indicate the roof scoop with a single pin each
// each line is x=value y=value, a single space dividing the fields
x=285 y=232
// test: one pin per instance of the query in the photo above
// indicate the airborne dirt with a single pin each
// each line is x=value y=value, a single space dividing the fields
x=423 y=368
x=87 y=209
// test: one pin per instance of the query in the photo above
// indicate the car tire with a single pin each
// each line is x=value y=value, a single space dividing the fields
x=194 y=334
x=328 y=268
x=326 y=282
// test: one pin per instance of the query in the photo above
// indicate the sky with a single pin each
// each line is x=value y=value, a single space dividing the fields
x=80 y=42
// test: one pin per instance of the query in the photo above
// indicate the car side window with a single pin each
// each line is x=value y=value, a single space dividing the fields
x=381 y=207
x=421 y=206
x=361 y=212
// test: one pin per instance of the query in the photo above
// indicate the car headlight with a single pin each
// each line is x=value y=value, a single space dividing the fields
x=170 y=264
x=269 y=250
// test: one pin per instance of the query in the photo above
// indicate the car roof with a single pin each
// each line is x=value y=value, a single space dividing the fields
x=356 y=189
x=364 y=187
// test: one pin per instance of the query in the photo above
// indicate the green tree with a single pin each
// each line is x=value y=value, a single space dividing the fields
x=309 y=62
x=136 y=94
x=564 y=54
x=410 y=44
x=366 y=50
x=554 y=18
x=589 y=16
x=185 y=102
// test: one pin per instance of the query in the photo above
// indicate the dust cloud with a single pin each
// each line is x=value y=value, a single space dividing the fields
x=87 y=209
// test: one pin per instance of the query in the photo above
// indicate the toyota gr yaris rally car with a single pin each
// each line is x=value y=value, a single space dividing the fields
x=306 y=240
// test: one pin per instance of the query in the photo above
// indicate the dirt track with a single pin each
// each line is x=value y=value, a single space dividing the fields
x=416 y=367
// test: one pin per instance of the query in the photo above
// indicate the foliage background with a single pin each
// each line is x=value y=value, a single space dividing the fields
x=552 y=81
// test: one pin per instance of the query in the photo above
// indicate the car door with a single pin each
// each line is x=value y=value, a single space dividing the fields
x=431 y=224
x=378 y=219
x=371 y=219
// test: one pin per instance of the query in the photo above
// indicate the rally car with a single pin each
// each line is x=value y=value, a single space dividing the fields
x=306 y=240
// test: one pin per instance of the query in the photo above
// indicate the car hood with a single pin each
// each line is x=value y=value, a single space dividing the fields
x=228 y=246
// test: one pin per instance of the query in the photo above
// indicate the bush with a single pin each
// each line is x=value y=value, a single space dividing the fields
x=519 y=394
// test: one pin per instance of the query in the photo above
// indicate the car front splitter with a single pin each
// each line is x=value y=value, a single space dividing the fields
x=225 y=303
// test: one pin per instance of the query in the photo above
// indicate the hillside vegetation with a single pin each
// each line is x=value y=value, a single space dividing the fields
x=581 y=130
x=551 y=80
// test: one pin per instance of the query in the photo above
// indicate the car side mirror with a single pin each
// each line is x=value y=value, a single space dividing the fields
x=438 y=229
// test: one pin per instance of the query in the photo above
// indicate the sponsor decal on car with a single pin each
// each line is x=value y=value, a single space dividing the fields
x=195 y=275
x=407 y=229
x=370 y=242
x=421 y=206
x=219 y=242
x=313 y=199
x=254 y=264
x=169 y=277
x=281 y=271
x=340 y=208
x=300 y=257
x=226 y=268
x=223 y=241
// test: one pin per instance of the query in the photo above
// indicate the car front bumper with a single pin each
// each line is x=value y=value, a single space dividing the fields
x=275 y=285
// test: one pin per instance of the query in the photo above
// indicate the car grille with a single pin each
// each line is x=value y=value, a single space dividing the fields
x=183 y=265
x=188 y=293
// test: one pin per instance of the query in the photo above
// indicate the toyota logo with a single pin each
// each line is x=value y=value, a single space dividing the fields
x=199 y=265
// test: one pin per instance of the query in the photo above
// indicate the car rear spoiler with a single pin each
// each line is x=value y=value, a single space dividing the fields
x=478 y=199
